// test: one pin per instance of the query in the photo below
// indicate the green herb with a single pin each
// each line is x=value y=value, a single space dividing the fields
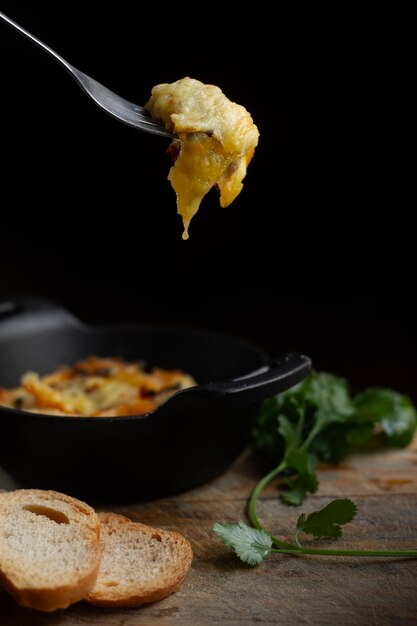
x=250 y=544
x=326 y=522
x=317 y=420
x=253 y=545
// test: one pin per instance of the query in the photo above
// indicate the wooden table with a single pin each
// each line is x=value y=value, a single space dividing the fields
x=285 y=590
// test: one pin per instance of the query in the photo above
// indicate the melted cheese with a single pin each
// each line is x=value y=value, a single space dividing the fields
x=96 y=387
x=216 y=141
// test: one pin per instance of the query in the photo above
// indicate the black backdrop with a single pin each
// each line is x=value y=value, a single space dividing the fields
x=317 y=252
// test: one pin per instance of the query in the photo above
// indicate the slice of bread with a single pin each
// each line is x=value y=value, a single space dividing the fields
x=50 y=548
x=140 y=564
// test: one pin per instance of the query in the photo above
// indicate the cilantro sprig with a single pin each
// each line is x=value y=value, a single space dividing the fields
x=253 y=545
x=320 y=420
x=317 y=420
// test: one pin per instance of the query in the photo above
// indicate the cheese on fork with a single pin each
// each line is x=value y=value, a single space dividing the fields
x=216 y=141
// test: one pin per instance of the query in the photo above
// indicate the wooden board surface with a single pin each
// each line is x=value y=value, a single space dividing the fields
x=285 y=590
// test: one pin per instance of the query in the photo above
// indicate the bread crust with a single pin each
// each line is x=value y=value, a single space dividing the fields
x=119 y=532
x=48 y=600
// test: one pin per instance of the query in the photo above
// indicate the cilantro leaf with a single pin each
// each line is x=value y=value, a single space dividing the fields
x=393 y=412
x=311 y=406
x=250 y=544
x=327 y=521
x=330 y=394
x=330 y=402
x=298 y=460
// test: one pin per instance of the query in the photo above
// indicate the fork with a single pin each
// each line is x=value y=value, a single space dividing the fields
x=123 y=110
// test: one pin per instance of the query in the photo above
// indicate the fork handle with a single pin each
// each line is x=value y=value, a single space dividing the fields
x=37 y=41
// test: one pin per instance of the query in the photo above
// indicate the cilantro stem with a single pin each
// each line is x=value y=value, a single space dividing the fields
x=296 y=535
x=327 y=552
x=257 y=491
x=254 y=498
x=311 y=435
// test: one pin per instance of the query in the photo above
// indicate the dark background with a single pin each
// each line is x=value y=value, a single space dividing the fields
x=317 y=252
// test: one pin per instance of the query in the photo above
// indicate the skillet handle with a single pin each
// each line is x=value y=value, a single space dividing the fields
x=21 y=314
x=284 y=372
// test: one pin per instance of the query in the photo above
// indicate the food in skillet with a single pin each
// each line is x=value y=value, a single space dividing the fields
x=216 y=141
x=96 y=387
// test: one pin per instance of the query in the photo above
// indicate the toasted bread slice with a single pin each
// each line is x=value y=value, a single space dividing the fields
x=140 y=564
x=50 y=548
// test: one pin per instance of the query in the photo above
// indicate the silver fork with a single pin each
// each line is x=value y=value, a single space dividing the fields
x=124 y=111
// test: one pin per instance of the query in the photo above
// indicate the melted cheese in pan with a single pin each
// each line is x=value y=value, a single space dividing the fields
x=96 y=387
x=216 y=141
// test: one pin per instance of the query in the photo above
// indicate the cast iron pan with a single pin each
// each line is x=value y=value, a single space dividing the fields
x=190 y=439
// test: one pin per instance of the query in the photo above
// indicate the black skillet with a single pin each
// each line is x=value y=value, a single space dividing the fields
x=190 y=439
